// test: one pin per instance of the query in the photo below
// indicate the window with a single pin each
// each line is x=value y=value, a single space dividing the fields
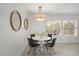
x=66 y=27
x=53 y=27
x=69 y=27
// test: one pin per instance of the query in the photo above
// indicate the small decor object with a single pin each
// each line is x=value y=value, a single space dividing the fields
x=15 y=20
x=26 y=23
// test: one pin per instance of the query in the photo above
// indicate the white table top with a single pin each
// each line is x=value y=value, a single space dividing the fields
x=41 y=38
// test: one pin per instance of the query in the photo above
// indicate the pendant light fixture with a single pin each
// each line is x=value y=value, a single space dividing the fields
x=40 y=16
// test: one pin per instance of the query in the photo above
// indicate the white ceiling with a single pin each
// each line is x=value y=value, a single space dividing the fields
x=50 y=8
x=72 y=8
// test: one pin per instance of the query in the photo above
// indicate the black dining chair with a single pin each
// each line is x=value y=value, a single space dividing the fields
x=33 y=44
x=49 y=35
x=51 y=45
x=32 y=35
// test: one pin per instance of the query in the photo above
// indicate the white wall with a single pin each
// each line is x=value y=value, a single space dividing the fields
x=11 y=42
x=40 y=26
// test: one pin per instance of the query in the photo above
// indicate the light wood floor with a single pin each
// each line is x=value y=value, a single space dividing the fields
x=60 y=50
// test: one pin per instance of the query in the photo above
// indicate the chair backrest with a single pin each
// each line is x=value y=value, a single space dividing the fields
x=50 y=35
x=32 y=43
x=53 y=42
x=32 y=35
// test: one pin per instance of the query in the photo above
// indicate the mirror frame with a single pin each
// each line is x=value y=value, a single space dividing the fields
x=26 y=21
x=11 y=15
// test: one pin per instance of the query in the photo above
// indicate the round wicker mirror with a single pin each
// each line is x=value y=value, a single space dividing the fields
x=26 y=23
x=15 y=20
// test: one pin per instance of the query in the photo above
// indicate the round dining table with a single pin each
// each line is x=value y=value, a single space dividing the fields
x=41 y=40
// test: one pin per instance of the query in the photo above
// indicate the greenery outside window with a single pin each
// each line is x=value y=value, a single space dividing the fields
x=66 y=27
x=69 y=27
x=53 y=27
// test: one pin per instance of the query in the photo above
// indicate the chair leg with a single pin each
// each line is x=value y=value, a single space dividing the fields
x=33 y=51
x=47 y=48
x=50 y=51
x=54 y=51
